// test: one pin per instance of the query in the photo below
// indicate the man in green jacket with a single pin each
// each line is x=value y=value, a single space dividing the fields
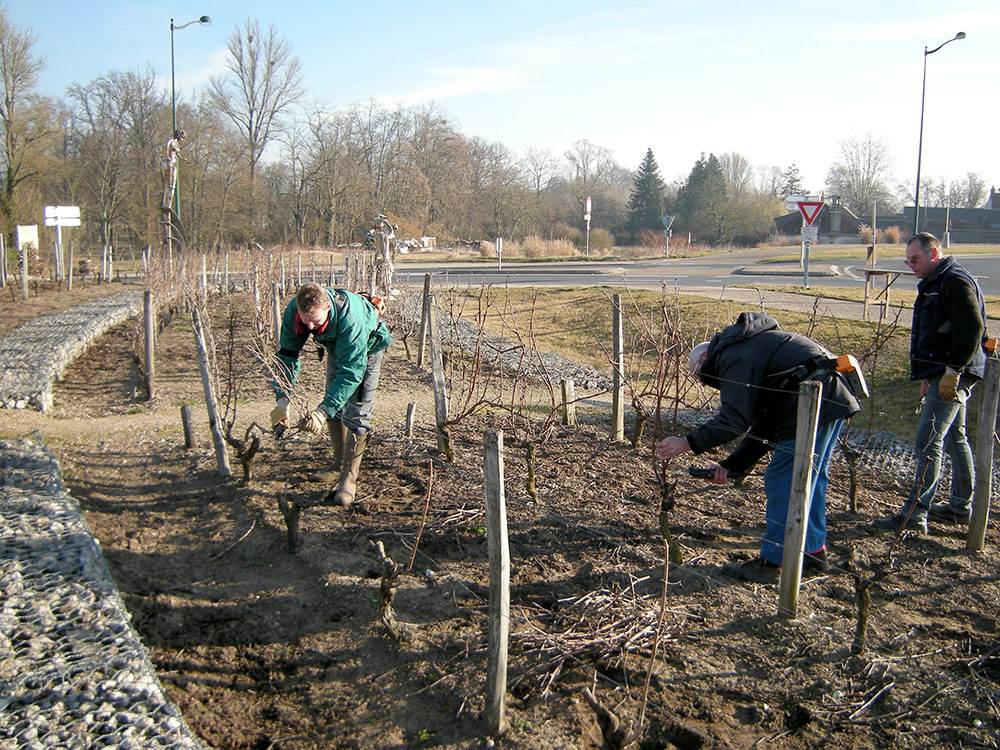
x=349 y=327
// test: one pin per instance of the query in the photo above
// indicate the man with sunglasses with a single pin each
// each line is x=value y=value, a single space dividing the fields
x=947 y=357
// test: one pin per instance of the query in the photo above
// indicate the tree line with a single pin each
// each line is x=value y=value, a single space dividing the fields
x=262 y=163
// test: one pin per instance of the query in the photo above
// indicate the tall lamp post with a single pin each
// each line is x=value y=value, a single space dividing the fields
x=920 y=142
x=204 y=21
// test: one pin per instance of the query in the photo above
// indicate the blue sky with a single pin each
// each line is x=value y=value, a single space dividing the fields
x=779 y=82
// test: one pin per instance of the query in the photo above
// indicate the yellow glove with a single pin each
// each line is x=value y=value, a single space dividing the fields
x=948 y=386
x=279 y=415
x=315 y=422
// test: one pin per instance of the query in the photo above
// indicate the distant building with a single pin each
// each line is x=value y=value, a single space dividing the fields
x=839 y=225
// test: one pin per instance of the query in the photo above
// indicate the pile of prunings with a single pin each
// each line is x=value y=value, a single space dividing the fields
x=600 y=628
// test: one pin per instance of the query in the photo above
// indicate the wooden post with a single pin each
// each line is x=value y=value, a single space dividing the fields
x=569 y=401
x=299 y=270
x=499 y=552
x=150 y=329
x=277 y=312
x=618 y=376
x=221 y=455
x=985 y=433
x=410 y=409
x=422 y=338
x=437 y=374
x=3 y=263
x=800 y=498
x=24 y=271
x=283 y=287
x=225 y=273
x=69 y=270
x=190 y=438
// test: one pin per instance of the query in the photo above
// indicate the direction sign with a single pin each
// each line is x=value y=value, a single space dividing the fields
x=810 y=210
x=62 y=216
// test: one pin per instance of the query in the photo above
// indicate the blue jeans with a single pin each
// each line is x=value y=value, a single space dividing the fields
x=778 y=488
x=942 y=428
x=357 y=412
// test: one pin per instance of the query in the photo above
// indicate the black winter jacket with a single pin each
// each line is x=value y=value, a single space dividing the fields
x=751 y=363
x=948 y=325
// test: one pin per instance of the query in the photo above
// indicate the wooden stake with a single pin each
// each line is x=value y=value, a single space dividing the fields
x=499 y=552
x=568 y=402
x=437 y=374
x=618 y=376
x=190 y=438
x=150 y=330
x=422 y=339
x=410 y=409
x=800 y=498
x=985 y=431
x=221 y=454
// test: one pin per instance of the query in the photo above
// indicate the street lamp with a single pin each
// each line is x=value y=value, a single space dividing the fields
x=920 y=142
x=204 y=21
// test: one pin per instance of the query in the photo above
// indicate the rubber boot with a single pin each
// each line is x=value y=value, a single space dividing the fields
x=338 y=435
x=354 y=449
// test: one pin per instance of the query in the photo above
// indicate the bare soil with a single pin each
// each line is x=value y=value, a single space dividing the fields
x=265 y=649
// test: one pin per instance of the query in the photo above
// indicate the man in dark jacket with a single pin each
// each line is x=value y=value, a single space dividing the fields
x=946 y=356
x=350 y=328
x=757 y=368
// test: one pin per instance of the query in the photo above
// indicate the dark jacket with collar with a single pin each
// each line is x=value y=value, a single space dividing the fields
x=948 y=324
x=750 y=362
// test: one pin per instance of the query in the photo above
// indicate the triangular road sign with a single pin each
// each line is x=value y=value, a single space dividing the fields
x=810 y=210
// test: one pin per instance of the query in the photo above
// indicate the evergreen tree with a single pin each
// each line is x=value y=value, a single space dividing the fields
x=703 y=206
x=645 y=204
x=793 y=181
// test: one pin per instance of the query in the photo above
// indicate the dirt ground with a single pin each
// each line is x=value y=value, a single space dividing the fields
x=265 y=649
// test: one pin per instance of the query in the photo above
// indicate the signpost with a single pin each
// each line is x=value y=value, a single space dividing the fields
x=667 y=223
x=59 y=217
x=586 y=218
x=810 y=211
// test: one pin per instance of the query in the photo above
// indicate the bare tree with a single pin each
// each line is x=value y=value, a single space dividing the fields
x=19 y=70
x=265 y=81
x=738 y=171
x=862 y=174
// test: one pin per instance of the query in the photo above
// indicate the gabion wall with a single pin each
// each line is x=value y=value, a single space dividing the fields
x=73 y=672
x=37 y=352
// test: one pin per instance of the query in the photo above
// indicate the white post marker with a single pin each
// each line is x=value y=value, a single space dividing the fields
x=59 y=217
x=810 y=212
x=586 y=218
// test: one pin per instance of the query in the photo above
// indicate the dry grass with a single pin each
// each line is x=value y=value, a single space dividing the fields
x=577 y=323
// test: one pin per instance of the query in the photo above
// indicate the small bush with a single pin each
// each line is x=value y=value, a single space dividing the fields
x=487 y=249
x=892 y=235
x=601 y=239
x=536 y=247
x=865 y=235
x=563 y=231
x=652 y=238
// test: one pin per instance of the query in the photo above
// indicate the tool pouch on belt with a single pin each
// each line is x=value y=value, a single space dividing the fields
x=846 y=365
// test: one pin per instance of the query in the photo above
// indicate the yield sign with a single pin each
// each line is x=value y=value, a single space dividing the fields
x=810 y=210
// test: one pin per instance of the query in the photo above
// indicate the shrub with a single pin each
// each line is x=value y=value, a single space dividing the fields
x=563 y=231
x=536 y=247
x=892 y=235
x=865 y=235
x=487 y=249
x=652 y=238
x=601 y=239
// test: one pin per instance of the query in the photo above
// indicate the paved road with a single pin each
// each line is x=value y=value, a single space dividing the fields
x=712 y=276
x=717 y=271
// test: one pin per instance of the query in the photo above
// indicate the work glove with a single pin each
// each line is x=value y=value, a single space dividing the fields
x=314 y=422
x=948 y=385
x=279 y=414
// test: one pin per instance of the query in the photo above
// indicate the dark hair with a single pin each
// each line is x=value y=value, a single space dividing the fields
x=311 y=297
x=926 y=240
